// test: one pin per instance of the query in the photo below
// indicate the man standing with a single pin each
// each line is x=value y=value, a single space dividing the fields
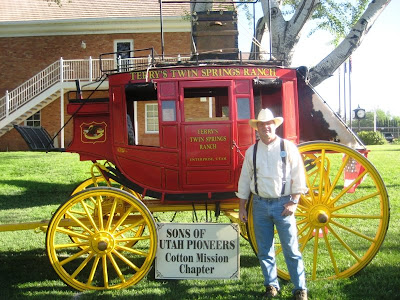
x=273 y=172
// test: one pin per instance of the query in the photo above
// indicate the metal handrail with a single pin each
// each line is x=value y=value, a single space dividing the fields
x=69 y=71
x=87 y=70
x=59 y=71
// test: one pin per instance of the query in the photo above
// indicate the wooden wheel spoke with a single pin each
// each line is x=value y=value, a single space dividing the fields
x=306 y=238
x=344 y=244
x=310 y=187
x=141 y=253
x=93 y=200
x=315 y=256
x=125 y=260
x=122 y=219
x=278 y=249
x=79 y=222
x=116 y=268
x=351 y=216
x=337 y=177
x=105 y=271
x=332 y=257
x=111 y=216
x=73 y=257
x=132 y=239
x=353 y=231
x=82 y=265
x=356 y=201
x=321 y=176
x=93 y=270
x=302 y=229
x=138 y=223
x=346 y=189
x=100 y=212
x=72 y=233
x=71 y=245
x=89 y=215
x=77 y=212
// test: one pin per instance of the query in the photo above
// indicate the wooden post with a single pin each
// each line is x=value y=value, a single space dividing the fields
x=7 y=103
x=90 y=69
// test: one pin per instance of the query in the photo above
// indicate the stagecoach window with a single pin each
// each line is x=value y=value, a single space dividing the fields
x=151 y=118
x=206 y=104
x=243 y=107
x=168 y=111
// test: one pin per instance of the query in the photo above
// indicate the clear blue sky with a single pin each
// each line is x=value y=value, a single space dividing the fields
x=376 y=64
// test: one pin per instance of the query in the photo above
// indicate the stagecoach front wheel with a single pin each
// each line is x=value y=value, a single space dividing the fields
x=106 y=251
x=100 y=181
x=343 y=219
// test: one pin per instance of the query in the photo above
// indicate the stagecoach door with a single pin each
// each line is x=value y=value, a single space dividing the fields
x=210 y=133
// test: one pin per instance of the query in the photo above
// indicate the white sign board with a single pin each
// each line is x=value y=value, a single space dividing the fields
x=197 y=251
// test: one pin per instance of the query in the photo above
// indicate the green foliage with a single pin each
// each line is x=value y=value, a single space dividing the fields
x=396 y=142
x=372 y=138
x=338 y=17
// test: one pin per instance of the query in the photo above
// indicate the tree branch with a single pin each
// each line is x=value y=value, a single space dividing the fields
x=326 y=67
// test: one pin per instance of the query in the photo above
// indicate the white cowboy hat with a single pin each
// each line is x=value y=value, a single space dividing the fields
x=265 y=115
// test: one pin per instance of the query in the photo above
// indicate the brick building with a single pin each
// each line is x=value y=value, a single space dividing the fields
x=45 y=47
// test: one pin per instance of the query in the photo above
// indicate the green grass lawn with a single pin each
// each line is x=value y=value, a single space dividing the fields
x=33 y=185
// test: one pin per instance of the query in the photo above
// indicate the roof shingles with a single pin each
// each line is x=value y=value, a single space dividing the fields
x=38 y=10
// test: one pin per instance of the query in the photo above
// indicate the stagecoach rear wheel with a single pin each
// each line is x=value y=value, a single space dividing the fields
x=107 y=252
x=343 y=219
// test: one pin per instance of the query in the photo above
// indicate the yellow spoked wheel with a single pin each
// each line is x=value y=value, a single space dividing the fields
x=101 y=181
x=343 y=219
x=96 y=181
x=107 y=252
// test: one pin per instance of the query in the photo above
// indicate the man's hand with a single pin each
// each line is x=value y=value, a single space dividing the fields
x=242 y=210
x=290 y=208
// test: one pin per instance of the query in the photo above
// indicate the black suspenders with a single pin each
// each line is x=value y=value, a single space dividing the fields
x=283 y=155
x=255 y=167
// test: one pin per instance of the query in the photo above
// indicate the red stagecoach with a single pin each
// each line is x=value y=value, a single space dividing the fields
x=171 y=136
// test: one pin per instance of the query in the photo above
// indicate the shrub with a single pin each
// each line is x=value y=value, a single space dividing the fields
x=372 y=137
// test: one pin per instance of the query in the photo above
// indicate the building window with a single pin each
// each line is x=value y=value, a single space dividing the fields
x=124 y=53
x=152 y=118
x=33 y=120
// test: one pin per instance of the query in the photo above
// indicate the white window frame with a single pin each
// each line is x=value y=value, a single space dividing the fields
x=147 y=105
x=130 y=41
x=31 y=119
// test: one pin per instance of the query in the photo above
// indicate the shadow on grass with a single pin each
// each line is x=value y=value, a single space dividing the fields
x=35 y=193
x=375 y=283
x=29 y=275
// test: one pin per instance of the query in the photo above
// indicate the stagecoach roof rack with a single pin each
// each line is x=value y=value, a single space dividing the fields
x=144 y=59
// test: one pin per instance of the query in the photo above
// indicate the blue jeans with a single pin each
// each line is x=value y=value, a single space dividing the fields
x=267 y=213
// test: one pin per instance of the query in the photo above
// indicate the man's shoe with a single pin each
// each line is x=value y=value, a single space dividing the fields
x=300 y=295
x=270 y=291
